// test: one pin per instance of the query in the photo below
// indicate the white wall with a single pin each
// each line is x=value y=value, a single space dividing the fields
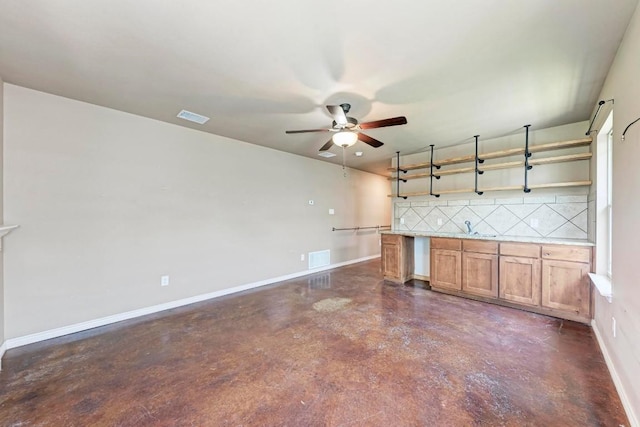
x=623 y=85
x=108 y=202
x=1 y=220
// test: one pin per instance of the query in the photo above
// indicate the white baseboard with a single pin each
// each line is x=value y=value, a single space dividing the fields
x=3 y=348
x=83 y=326
x=626 y=403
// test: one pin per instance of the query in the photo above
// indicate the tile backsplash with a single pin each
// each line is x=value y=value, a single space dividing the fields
x=547 y=216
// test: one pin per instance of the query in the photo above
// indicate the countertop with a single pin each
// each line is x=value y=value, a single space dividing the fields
x=541 y=240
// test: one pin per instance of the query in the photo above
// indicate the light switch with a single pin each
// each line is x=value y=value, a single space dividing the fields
x=332 y=212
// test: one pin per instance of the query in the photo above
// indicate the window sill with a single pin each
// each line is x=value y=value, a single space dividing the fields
x=603 y=284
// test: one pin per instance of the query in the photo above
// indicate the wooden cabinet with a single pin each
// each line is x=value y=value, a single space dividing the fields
x=565 y=282
x=480 y=268
x=544 y=278
x=446 y=264
x=397 y=257
x=520 y=280
x=552 y=278
x=520 y=273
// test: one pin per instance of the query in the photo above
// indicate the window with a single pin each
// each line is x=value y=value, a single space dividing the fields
x=604 y=198
x=609 y=199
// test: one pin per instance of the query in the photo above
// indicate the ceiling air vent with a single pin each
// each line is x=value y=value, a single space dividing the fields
x=326 y=154
x=193 y=117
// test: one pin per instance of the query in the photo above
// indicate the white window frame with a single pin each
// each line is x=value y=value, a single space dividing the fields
x=604 y=199
x=609 y=201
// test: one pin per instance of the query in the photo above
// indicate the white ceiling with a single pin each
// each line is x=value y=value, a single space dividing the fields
x=454 y=68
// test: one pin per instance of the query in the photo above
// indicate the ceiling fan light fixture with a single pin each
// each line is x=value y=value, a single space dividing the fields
x=345 y=138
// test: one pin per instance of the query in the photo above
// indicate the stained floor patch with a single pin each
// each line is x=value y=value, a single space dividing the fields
x=331 y=304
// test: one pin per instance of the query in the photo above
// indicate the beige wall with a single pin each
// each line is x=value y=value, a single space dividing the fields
x=623 y=85
x=108 y=202
x=1 y=215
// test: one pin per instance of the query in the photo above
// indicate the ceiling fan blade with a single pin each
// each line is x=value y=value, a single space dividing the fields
x=338 y=114
x=307 y=130
x=368 y=140
x=326 y=146
x=394 y=121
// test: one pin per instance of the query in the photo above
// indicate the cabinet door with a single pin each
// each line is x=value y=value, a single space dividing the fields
x=565 y=286
x=520 y=279
x=446 y=269
x=391 y=259
x=480 y=274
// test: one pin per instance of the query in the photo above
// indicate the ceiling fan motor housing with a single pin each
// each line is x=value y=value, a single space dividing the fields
x=351 y=123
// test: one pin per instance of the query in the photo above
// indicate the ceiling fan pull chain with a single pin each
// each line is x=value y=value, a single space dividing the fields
x=344 y=169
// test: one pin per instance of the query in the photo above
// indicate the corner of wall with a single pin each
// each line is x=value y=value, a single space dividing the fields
x=2 y=342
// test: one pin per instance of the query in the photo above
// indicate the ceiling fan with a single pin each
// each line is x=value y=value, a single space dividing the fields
x=347 y=129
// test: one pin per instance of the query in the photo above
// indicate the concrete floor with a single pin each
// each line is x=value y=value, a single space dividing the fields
x=340 y=348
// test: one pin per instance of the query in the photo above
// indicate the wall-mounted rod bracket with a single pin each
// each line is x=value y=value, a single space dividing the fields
x=628 y=126
x=398 y=176
x=478 y=172
x=431 y=166
x=600 y=104
x=527 y=154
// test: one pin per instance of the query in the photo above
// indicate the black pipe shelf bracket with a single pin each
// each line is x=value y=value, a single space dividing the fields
x=398 y=179
x=527 y=154
x=600 y=104
x=478 y=172
x=431 y=166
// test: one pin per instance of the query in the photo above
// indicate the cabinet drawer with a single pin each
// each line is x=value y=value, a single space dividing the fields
x=392 y=239
x=480 y=246
x=520 y=249
x=444 y=243
x=567 y=253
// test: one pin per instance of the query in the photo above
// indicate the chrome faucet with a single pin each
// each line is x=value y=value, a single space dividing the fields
x=469 y=229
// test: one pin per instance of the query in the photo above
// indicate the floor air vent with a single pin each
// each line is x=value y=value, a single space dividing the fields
x=319 y=259
x=320 y=282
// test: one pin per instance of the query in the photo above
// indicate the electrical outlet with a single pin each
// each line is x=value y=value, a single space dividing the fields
x=613 y=326
x=439 y=221
x=164 y=280
x=535 y=223
x=301 y=257
x=332 y=212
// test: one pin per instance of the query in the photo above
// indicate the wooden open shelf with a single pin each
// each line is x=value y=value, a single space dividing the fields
x=497 y=154
x=583 y=142
x=497 y=166
x=506 y=188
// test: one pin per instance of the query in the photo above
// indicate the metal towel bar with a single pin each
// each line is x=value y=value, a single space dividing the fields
x=378 y=227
